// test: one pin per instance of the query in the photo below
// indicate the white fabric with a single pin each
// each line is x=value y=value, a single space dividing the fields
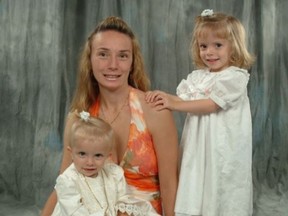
x=215 y=175
x=109 y=187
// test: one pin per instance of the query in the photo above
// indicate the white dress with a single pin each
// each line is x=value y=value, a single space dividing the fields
x=215 y=176
x=103 y=195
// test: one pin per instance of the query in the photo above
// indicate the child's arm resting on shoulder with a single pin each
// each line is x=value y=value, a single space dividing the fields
x=161 y=100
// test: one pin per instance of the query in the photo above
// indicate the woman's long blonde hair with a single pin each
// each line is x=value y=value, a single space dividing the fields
x=87 y=89
x=225 y=27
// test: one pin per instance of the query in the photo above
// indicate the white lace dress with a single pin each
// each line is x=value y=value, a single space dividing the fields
x=215 y=176
x=103 y=195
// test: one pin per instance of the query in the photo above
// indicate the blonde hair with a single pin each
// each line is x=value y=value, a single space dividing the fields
x=87 y=89
x=225 y=27
x=92 y=128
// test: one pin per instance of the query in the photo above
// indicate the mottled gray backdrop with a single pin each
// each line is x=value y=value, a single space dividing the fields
x=40 y=42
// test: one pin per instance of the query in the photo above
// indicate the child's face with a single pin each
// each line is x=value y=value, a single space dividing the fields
x=89 y=155
x=214 y=51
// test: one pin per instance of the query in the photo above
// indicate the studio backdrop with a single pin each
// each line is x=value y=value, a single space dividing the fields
x=40 y=42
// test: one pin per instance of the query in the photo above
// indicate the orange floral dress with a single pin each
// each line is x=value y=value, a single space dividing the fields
x=139 y=161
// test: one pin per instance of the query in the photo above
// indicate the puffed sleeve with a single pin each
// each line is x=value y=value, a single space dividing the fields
x=230 y=87
x=69 y=199
x=187 y=87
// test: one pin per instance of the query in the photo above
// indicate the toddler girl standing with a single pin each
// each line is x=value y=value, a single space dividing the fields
x=215 y=175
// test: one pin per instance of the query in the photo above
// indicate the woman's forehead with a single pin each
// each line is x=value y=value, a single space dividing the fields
x=112 y=40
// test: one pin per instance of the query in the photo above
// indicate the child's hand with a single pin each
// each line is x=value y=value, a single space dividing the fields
x=159 y=99
x=151 y=96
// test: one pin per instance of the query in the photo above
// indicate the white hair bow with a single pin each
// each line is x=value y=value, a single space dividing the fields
x=207 y=12
x=84 y=115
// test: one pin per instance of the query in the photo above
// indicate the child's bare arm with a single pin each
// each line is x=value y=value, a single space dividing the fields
x=162 y=100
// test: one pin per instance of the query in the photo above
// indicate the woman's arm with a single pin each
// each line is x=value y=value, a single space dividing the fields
x=66 y=161
x=50 y=204
x=161 y=124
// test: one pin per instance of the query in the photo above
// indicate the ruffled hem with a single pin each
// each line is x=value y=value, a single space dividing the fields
x=129 y=209
x=135 y=207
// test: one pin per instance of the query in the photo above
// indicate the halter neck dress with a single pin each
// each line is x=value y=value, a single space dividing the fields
x=139 y=161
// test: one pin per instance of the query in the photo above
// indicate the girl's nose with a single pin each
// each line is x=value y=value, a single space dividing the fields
x=210 y=50
x=90 y=161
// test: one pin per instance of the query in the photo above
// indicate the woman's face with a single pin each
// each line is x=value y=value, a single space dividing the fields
x=111 y=58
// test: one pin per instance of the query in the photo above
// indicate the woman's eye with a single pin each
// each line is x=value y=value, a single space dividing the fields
x=103 y=54
x=123 y=56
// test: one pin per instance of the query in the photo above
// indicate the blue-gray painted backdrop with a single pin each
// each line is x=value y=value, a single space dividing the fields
x=40 y=41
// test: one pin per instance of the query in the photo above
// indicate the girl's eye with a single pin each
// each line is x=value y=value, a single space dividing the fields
x=203 y=46
x=82 y=154
x=99 y=155
x=218 y=44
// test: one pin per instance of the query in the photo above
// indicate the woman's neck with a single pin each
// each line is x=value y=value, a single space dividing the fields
x=113 y=100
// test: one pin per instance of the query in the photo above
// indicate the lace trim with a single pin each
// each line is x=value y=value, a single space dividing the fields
x=129 y=209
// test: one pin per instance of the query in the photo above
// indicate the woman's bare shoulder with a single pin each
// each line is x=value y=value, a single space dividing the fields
x=151 y=115
x=147 y=107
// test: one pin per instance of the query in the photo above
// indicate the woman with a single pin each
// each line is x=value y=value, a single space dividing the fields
x=111 y=85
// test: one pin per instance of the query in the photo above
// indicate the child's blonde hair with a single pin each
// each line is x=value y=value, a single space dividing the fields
x=92 y=128
x=225 y=27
